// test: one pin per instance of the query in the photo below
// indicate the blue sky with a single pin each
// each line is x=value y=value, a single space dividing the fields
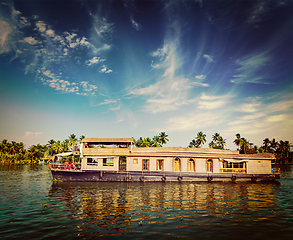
x=136 y=68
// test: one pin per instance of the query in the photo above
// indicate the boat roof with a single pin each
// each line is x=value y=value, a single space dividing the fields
x=108 y=140
x=65 y=154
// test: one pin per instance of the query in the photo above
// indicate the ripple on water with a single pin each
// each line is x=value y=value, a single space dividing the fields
x=34 y=207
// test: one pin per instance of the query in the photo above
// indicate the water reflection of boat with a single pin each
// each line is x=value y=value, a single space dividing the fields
x=115 y=159
x=107 y=208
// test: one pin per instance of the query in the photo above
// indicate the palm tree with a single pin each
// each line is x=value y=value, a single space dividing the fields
x=244 y=145
x=163 y=137
x=260 y=150
x=266 y=142
x=139 y=142
x=36 y=151
x=20 y=147
x=221 y=142
x=281 y=148
x=13 y=148
x=66 y=145
x=81 y=137
x=148 y=142
x=50 y=147
x=192 y=144
x=216 y=137
x=237 y=141
x=217 y=142
x=212 y=145
x=200 y=138
x=72 y=141
x=51 y=142
x=58 y=147
x=135 y=142
x=157 y=141
x=273 y=145
x=4 y=146
x=287 y=148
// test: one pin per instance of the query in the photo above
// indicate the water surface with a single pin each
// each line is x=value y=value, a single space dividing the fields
x=32 y=206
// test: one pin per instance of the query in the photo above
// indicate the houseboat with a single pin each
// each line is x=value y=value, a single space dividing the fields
x=117 y=159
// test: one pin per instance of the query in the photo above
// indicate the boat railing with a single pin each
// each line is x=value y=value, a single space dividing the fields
x=232 y=170
x=65 y=166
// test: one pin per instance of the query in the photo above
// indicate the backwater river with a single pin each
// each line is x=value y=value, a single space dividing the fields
x=32 y=206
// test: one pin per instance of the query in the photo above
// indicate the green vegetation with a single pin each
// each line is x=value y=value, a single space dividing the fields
x=16 y=153
x=243 y=144
x=198 y=140
x=157 y=141
x=281 y=149
x=218 y=142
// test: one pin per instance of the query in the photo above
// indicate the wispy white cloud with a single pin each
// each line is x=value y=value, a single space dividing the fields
x=95 y=60
x=209 y=102
x=17 y=18
x=201 y=77
x=193 y=121
x=5 y=31
x=276 y=118
x=44 y=49
x=72 y=40
x=166 y=94
x=285 y=105
x=103 y=48
x=115 y=108
x=84 y=42
x=201 y=84
x=249 y=107
x=102 y=27
x=253 y=116
x=89 y=88
x=70 y=36
x=261 y=9
x=55 y=82
x=261 y=118
x=208 y=58
x=30 y=40
x=107 y=101
x=171 y=89
x=162 y=52
x=135 y=24
x=28 y=134
x=41 y=26
x=50 y=33
x=251 y=69
x=105 y=69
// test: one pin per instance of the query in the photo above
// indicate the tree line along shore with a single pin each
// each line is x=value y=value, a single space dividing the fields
x=16 y=152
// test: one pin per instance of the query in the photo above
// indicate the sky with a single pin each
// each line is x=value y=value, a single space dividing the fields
x=137 y=68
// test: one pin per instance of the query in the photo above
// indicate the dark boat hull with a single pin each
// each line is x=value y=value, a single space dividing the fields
x=139 y=176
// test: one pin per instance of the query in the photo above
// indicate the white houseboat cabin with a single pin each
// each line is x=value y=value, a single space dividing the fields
x=116 y=159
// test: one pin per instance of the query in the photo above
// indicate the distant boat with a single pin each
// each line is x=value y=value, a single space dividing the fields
x=116 y=159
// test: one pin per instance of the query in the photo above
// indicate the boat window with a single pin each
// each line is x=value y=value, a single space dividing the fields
x=135 y=161
x=107 y=145
x=160 y=164
x=210 y=165
x=177 y=165
x=108 y=161
x=191 y=165
x=122 y=163
x=239 y=167
x=145 y=164
x=92 y=161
